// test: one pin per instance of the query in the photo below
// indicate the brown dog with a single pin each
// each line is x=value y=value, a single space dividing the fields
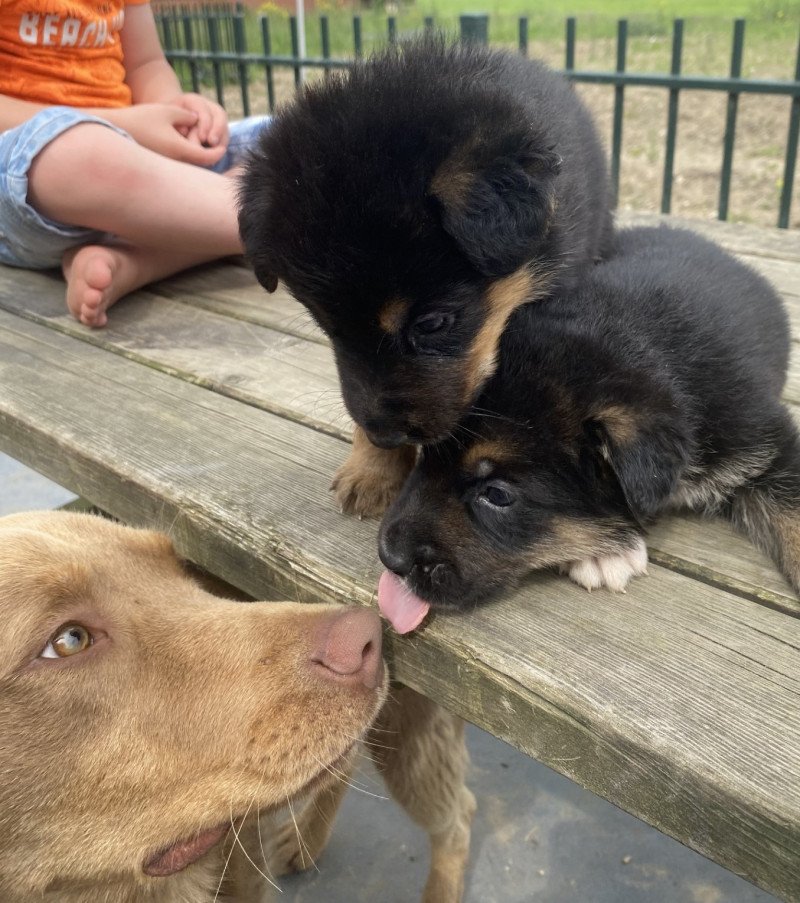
x=145 y=723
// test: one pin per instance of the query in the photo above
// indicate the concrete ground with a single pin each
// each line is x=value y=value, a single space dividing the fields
x=536 y=837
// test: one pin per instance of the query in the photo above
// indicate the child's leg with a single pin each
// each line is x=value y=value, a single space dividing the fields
x=168 y=215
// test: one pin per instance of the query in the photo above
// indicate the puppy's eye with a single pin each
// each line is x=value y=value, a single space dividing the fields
x=496 y=496
x=433 y=323
x=67 y=640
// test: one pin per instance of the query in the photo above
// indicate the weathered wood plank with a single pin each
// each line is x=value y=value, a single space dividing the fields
x=709 y=550
x=234 y=292
x=678 y=701
x=296 y=379
x=278 y=371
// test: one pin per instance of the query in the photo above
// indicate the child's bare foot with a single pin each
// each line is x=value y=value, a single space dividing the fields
x=99 y=275
x=90 y=271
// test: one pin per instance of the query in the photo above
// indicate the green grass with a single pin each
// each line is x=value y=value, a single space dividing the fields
x=771 y=40
x=770 y=44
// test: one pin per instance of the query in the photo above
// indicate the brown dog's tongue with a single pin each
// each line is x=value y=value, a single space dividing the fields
x=183 y=853
x=404 y=609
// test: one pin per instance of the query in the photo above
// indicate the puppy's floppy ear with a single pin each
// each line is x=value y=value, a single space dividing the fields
x=647 y=451
x=253 y=205
x=267 y=278
x=497 y=200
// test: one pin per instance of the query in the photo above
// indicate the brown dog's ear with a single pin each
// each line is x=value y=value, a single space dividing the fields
x=647 y=451
x=497 y=202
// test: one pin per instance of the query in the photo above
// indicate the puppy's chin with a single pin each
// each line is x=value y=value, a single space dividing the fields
x=459 y=598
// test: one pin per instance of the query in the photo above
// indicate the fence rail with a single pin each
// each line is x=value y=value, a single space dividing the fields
x=202 y=42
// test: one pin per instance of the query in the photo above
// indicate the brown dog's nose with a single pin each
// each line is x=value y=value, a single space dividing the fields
x=348 y=648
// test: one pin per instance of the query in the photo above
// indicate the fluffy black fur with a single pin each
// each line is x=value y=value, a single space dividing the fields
x=654 y=385
x=419 y=178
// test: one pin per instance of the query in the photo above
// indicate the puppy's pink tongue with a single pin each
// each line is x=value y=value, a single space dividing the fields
x=404 y=610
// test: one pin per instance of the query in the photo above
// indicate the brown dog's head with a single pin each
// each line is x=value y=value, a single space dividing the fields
x=140 y=715
x=409 y=205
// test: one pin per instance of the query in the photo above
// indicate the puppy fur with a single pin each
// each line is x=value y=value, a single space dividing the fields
x=654 y=385
x=186 y=713
x=411 y=204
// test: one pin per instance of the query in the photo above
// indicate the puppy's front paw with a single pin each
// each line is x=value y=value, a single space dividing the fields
x=365 y=493
x=614 y=571
x=368 y=481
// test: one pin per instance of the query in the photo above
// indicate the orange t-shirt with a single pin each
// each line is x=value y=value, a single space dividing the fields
x=64 y=51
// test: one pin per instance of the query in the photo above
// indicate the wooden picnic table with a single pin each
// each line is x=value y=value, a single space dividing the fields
x=211 y=410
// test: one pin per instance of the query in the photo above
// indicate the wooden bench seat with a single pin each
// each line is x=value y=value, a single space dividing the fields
x=211 y=410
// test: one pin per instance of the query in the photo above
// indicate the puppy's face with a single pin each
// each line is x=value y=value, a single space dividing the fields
x=476 y=516
x=139 y=715
x=408 y=372
x=410 y=231
x=542 y=475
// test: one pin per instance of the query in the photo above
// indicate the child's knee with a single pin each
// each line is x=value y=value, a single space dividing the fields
x=85 y=157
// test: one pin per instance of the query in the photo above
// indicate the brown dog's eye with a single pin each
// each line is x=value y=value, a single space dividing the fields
x=68 y=640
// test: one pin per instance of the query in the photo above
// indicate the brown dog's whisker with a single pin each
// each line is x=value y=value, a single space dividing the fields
x=373 y=744
x=238 y=842
x=302 y=846
x=224 y=867
x=260 y=838
x=340 y=776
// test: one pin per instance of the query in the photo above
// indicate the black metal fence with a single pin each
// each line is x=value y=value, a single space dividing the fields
x=213 y=44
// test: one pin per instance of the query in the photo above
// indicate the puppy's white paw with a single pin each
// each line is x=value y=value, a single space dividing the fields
x=614 y=571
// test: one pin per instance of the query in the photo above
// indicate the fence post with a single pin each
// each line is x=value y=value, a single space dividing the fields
x=569 y=63
x=619 y=102
x=266 y=44
x=240 y=44
x=730 y=120
x=672 y=119
x=791 y=153
x=474 y=28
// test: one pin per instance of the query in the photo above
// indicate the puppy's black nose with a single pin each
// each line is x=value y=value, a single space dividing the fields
x=387 y=438
x=401 y=555
x=397 y=557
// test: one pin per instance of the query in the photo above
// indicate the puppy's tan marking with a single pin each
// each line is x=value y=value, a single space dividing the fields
x=620 y=421
x=502 y=298
x=393 y=314
x=486 y=450
x=454 y=180
x=371 y=477
x=572 y=538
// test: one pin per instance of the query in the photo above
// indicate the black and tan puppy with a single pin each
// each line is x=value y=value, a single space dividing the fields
x=411 y=205
x=654 y=385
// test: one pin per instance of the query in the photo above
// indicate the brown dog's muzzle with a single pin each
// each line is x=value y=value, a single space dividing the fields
x=347 y=648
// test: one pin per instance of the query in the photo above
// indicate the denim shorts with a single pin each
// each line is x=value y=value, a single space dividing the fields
x=30 y=240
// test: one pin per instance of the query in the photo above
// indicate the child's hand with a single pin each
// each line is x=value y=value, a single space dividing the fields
x=165 y=129
x=212 y=121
